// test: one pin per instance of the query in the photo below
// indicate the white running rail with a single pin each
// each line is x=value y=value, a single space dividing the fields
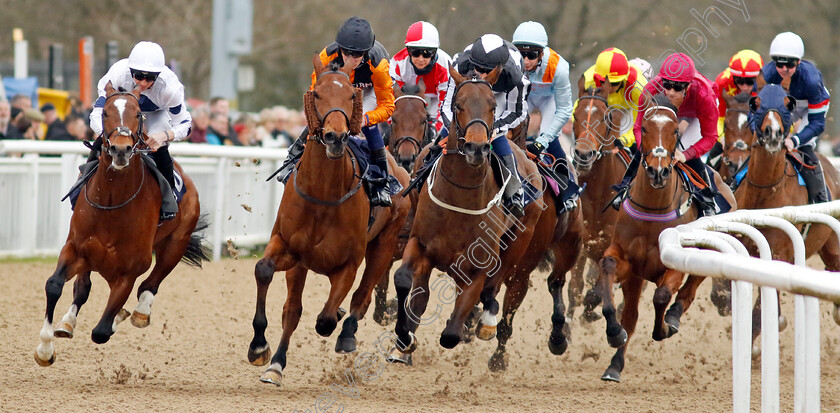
x=230 y=180
x=678 y=250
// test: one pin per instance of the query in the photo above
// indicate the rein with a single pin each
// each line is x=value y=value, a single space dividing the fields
x=338 y=202
x=109 y=208
x=460 y=132
x=495 y=200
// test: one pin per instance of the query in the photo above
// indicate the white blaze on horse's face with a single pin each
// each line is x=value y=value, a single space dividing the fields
x=337 y=83
x=776 y=141
x=742 y=120
x=120 y=104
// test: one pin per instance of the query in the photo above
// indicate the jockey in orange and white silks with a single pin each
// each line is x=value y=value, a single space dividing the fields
x=423 y=59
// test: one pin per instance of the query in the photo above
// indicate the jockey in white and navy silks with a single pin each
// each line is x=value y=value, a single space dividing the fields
x=812 y=100
x=482 y=56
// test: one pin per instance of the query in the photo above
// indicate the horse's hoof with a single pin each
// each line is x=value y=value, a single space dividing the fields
x=485 y=332
x=783 y=323
x=259 y=357
x=612 y=374
x=345 y=345
x=340 y=314
x=272 y=376
x=589 y=317
x=63 y=330
x=45 y=363
x=617 y=340
x=497 y=362
x=559 y=347
x=411 y=346
x=672 y=328
x=449 y=341
x=398 y=357
x=756 y=351
x=139 y=320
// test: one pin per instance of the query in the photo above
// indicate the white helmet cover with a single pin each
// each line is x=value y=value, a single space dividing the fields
x=787 y=44
x=530 y=33
x=147 y=57
x=422 y=34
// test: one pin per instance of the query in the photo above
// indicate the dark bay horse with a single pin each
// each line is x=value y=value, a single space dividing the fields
x=737 y=138
x=771 y=181
x=600 y=164
x=115 y=231
x=322 y=224
x=462 y=197
x=657 y=200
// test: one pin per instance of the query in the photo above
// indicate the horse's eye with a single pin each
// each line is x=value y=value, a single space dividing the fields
x=315 y=95
x=644 y=129
x=456 y=108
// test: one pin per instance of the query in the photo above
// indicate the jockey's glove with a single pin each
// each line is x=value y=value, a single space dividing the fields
x=535 y=148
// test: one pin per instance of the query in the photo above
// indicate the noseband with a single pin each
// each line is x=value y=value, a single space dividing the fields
x=659 y=151
x=460 y=133
x=137 y=136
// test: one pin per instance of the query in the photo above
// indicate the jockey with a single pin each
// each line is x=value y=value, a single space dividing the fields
x=680 y=81
x=161 y=101
x=485 y=54
x=355 y=45
x=551 y=93
x=738 y=78
x=422 y=59
x=812 y=98
x=625 y=81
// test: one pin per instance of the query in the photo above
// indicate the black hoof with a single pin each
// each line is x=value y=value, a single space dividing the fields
x=340 y=314
x=345 y=345
x=325 y=327
x=557 y=347
x=497 y=362
x=589 y=317
x=673 y=328
x=612 y=374
x=449 y=340
x=100 y=337
x=617 y=340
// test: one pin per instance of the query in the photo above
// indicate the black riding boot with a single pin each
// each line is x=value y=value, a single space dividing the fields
x=714 y=156
x=570 y=188
x=622 y=187
x=378 y=185
x=295 y=151
x=512 y=195
x=814 y=179
x=95 y=148
x=163 y=161
x=706 y=197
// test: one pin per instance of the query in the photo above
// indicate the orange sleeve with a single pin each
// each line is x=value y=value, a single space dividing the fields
x=383 y=87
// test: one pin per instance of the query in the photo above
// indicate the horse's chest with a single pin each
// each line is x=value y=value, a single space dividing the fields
x=643 y=255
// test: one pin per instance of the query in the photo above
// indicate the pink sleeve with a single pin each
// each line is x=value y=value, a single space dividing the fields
x=707 y=114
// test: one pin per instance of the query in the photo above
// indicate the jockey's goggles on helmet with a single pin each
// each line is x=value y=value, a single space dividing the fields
x=530 y=53
x=749 y=81
x=353 y=53
x=482 y=70
x=426 y=53
x=141 y=75
x=789 y=62
x=675 y=86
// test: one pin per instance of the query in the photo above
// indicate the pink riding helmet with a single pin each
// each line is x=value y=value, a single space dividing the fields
x=677 y=67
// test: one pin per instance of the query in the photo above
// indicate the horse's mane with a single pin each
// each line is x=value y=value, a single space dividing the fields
x=334 y=66
x=742 y=97
x=411 y=89
x=661 y=100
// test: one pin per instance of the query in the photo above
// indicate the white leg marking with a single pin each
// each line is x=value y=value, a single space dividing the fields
x=70 y=317
x=120 y=317
x=45 y=349
x=488 y=319
x=144 y=304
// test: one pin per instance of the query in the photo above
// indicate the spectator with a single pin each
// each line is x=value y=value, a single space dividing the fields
x=222 y=106
x=30 y=124
x=76 y=127
x=281 y=133
x=201 y=120
x=56 y=129
x=218 y=122
x=245 y=128
x=21 y=102
x=7 y=128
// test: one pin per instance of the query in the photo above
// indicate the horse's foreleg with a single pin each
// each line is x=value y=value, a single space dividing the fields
x=114 y=312
x=668 y=285
x=414 y=270
x=340 y=284
x=721 y=296
x=380 y=298
x=564 y=259
x=610 y=267
x=830 y=254
x=167 y=255
x=632 y=289
x=69 y=264
x=517 y=287
x=259 y=351
x=81 y=291
x=684 y=299
x=453 y=333
x=295 y=280
x=591 y=299
x=575 y=285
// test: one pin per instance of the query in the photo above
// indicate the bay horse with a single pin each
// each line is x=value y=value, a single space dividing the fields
x=322 y=224
x=115 y=231
x=771 y=181
x=657 y=200
x=406 y=136
x=463 y=197
x=600 y=164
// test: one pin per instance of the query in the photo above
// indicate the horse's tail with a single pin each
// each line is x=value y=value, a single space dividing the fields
x=546 y=263
x=196 y=250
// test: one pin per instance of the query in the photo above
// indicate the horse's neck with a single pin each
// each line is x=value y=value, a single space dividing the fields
x=109 y=184
x=323 y=177
x=765 y=168
x=664 y=199
x=457 y=170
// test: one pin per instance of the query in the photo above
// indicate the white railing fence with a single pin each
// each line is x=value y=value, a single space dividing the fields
x=240 y=205
x=679 y=250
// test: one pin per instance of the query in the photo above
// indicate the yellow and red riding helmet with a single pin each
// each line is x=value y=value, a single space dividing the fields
x=611 y=66
x=746 y=63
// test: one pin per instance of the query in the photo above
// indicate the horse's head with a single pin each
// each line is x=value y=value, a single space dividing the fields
x=738 y=135
x=772 y=116
x=333 y=107
x=410 y=129
x=122 y=125
x=593 y=127
x=660 y=135
x=473 y=111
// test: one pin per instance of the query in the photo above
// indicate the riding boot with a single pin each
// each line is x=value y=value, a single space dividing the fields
x=714 y=156
x=622 y=187
x=571 y=190
x=295 y=151
x=815 y=183
x=378 y=185
x=95 y=148
x=86 y=170
x=163 y=161
x=513 y=193
x=705 y=197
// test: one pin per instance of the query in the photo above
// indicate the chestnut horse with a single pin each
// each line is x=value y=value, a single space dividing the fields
x=115 y=231
x=600 y=164
x=771 y=181
x=657 y=200
x=322 y=224
x=462 y=197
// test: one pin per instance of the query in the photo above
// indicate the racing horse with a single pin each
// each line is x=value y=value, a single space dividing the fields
x=323 y=225
x=481 y=240
x=657 y=200
x=115 y=231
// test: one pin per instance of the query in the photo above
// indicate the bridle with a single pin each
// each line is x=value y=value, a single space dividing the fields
x=739 y=144
x=318 y=134
x=659 y=151
x=588 y=125
x=137 y=136
x=460 y=132
x=418 y=146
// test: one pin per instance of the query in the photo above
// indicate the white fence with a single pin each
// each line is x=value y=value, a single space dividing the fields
x=678 y=250
x=240 y=205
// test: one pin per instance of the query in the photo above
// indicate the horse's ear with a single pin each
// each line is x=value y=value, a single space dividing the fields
x=790 y=103
x=760 y=82
x=422 y=85
x=456 y=77
x=347 y=70
x=493 y=76
x=109 y=88
x=785 y=84
x=755 y=103
x=603 y=91
x=397 y=90
x=318 y=65
x=729 y=99
x=581 y=86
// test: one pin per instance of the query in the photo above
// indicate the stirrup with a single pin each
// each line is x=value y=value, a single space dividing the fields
x=516 y=205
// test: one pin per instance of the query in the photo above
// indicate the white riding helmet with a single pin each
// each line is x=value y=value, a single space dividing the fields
x=422 y=35
x=787 y=44
x=530 y=33
x=147 y=57
x=644 y=66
